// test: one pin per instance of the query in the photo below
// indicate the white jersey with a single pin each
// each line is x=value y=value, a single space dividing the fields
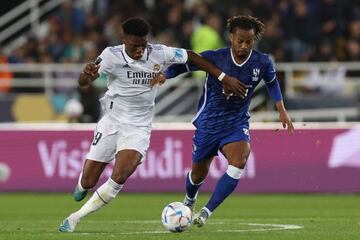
x=129 y=98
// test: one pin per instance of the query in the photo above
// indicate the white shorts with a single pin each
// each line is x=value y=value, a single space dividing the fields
x=110 y=138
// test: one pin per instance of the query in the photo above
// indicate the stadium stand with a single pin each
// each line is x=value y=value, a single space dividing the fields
x=45 y=43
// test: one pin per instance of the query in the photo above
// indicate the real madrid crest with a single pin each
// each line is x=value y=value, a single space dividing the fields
x=156 y=68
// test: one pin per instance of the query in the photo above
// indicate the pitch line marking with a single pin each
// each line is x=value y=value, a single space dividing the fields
x=264 y=227
x=274 y=227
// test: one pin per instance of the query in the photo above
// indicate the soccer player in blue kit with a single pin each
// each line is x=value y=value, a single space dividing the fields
x=222 y=121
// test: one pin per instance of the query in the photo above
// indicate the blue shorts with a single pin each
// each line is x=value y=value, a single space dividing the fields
x=206 y=145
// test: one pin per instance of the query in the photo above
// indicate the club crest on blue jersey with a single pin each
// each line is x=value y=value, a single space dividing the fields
x=256 y=73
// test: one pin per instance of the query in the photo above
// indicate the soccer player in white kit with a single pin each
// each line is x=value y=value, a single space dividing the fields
x=124 y=131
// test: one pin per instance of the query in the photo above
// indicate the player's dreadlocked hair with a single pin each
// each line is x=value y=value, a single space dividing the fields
x=136 y=26
x=247 y=23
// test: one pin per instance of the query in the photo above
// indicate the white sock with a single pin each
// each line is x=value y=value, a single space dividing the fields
x=207 y=210
x=102 y=196
x=234 y=172
x=192 y=198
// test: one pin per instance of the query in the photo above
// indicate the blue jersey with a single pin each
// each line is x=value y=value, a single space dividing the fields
x=217 y=114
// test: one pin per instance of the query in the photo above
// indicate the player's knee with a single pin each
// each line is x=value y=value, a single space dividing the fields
x=242 y=163
x=88 y=182
x=198 y=177
x=239 y=163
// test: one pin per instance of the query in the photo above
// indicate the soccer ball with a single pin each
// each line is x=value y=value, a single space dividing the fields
x=176 y=217
x=73 y=108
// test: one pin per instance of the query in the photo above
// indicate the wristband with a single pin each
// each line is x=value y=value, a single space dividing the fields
x=221 y=76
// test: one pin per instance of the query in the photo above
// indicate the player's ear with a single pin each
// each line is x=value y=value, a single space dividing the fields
x=125 y=39
x=231 y=36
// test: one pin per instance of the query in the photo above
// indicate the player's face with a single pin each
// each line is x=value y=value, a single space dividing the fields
x=135 y=46
x=242 y=41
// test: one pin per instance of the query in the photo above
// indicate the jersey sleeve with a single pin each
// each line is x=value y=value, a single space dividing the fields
x=270 y=73
x=274 y=90
x=106 y=61
x=177 y=69
x=209 y=55
x=174 y=55
x=271 y=83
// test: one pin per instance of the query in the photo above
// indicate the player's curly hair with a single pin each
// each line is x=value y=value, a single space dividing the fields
x=136 y=26
x=247 y=23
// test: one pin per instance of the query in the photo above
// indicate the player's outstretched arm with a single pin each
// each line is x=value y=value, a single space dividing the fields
x=171 y=72
x=230 y=84
x=88 y=75
x=284 y=117
x=273 y=88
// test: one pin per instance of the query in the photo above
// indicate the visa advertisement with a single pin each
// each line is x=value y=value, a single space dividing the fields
x=311 y=160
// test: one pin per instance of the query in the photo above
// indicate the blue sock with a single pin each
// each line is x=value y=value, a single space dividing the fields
x=224 y=187
x=191 y=188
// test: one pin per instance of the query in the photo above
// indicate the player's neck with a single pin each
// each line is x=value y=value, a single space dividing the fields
x=239 y=59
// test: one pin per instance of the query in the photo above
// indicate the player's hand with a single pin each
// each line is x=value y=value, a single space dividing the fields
x=233 y=86
x=159 y=78
x=89 y=74
x=91 y=70
x=286 y=122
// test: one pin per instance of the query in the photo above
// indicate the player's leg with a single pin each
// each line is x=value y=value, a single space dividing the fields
x=194 y=180
x=102 y=151
x=88 y=178
x=204 y=149
x=131 y=146
x=125 y=165
x=236 y=153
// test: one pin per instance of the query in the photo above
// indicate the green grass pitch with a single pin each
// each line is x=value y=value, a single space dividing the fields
x=137 y=216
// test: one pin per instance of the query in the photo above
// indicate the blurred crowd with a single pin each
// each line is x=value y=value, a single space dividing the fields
x=296 y=30
x=77 y=32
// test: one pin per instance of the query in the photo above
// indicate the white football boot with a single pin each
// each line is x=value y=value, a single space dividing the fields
x=200 y=218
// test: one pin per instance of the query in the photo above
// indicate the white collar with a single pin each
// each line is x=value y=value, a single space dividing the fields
x=233 y=59
x=128 y=59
